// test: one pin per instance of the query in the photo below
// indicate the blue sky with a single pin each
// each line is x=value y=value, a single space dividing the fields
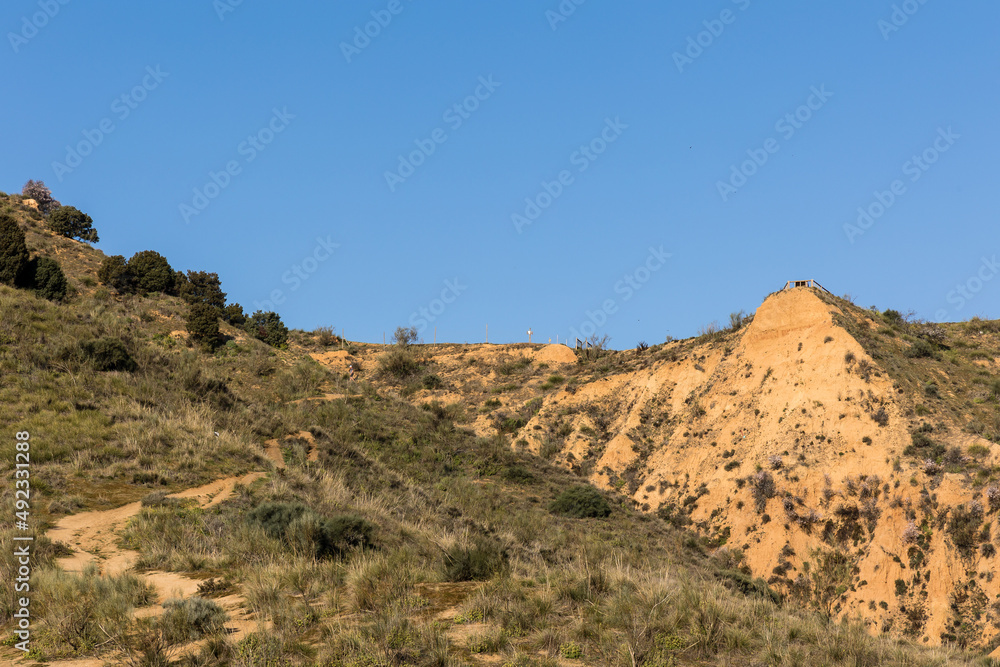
x=634 y=170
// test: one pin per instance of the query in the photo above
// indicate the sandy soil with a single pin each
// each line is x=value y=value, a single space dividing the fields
x=93 y=537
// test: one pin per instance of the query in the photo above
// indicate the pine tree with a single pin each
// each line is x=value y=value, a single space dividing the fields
x=203 y=287
x=72 y=223
x=13 y=251
x=203 y=325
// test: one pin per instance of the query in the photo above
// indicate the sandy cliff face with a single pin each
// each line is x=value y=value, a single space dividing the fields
x=789 y=447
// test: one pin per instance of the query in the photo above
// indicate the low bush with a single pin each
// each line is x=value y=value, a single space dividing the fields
x=920 y=349
x=762 y=489
x=108 y=354
x=191 y=618
x=923 y=447
x=580 y=502
x=481 y=561
x=79 y=611
x=747 y=585
x=299 y=526
x=399 y=363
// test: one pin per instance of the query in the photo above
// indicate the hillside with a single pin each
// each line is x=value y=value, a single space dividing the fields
x=409 y=516
x=856 y=472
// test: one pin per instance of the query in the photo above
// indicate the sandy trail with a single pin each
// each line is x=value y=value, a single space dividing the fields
x=93 y=537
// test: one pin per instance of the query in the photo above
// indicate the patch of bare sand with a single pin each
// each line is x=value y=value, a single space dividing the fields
x=273 y=449
x=93 y=537
x=554 y=354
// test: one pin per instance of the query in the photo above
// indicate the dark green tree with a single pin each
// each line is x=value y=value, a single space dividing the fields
x=267 y=327
x=48 y=279
x=108 y=354
x=13 y=251
x=203 y=287
x=72 y=223
x=233 y=314
x=203 y=325
x=151 y=272
x=115 y=274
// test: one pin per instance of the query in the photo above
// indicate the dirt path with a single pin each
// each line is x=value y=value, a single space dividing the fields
x=272 y=448
x=93 y=537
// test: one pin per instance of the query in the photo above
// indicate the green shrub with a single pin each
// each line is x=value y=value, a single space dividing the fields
x=747 y=585
x=920 y=349
x=275 y=518
x=297 y=525
x=191 y=618
x=963 y=526
x=48 y=279
x=151 y=272
x=580 y=502
x=203 y=325
x=399 y=363
x=72 y=223
x=479 y=562
x=518 y=474
x=923 y=447
x=571 y=651
x=78 y=609
x=267 y=327
x=115 y=274
x=342 y=533
x=13 y=251
x=108 y=354
x=432 y=381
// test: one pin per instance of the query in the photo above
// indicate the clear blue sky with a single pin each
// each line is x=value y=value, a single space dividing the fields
x=329 y=121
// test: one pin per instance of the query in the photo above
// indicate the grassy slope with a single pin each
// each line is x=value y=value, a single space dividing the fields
x=627 y=589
